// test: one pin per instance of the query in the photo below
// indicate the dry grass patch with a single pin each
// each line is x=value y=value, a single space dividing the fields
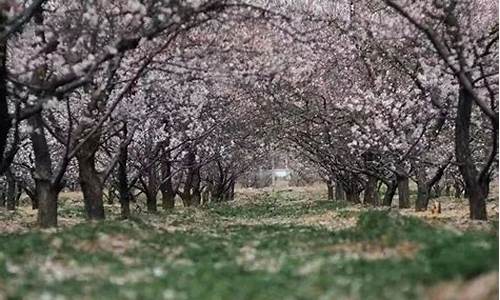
x=374 y=251
x=484 y=287
x=455 y=215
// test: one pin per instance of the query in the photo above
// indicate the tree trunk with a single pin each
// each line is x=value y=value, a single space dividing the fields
x=231 y=190
x=190 y=182
x=437 y=191
x=3 y=196
x=168 y=200
x=111 y=195
x=477 y=201
x=476 y=184
x=166 y=187
x=339 y=191
x=91 y=184
x=403 y=191
x=46 y=191
x=423 y=195
x=352 y=193
x=390 y=192
x=447 y=190
x=151 y=201
x=123 y=188
x=196 y=193
x=458 y=190
x=207 y=193
x=329 y=186
x=11 y=190
x=352 y=197
x=370 y=194
x=46 y=194
x=5 y=121
x=31 y=194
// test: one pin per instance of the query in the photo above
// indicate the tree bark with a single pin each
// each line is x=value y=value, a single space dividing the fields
x=390 y=192
x=166 y=188
x=111 y=194
x=403 y=190
x=352 y=197
x=447 y=190
x=196 y=193
x=46 y=191
x=151 y=201
x=339 y=191
x=423 y=195
x=123 y=188
x=476 y=185
x=46 y=194
x=457 y=186
x=231 y=190
x=90 y=180
x=352 y=193
x=370 y=193
x=11 y=190
x=5 y=121
x=329 y=186
x=3 y=196
x=477 y=201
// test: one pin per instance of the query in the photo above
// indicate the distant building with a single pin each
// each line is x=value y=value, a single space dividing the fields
x=281 y=173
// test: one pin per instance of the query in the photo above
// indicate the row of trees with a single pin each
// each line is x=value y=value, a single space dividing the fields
x=396 y=90
x=182 y=98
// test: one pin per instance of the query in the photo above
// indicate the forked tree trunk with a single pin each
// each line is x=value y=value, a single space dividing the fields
x=390 y=192
x=403 y=191
x=46 y=191
x=476 y=183
x=90 y=181
x=425 y=185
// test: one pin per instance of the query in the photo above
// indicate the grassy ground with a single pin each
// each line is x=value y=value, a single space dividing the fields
x=285 y=245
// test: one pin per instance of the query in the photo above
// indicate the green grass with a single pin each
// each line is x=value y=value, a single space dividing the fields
x=220 y=260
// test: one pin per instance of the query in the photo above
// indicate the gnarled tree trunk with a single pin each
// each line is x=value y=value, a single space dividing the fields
x=90 y=179
x=46 y=191
x=476 y=183
x=392 y=186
